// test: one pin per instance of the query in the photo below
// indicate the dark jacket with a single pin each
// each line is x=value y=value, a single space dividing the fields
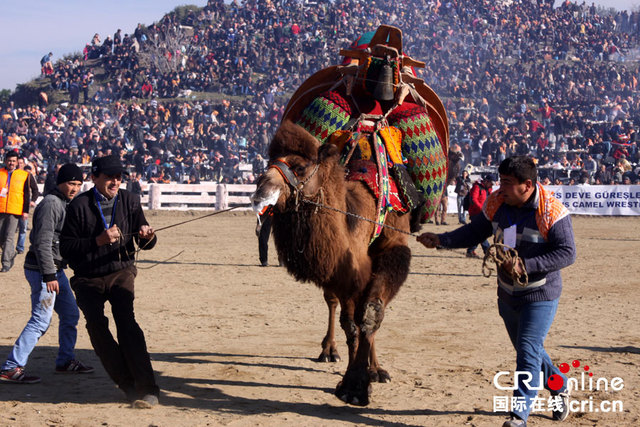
x=84 y=223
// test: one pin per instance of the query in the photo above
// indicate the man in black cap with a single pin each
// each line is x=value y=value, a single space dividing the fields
x=50 y=290
x=98 y=238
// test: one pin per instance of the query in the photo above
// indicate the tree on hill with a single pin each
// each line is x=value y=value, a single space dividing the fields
x=164 y=52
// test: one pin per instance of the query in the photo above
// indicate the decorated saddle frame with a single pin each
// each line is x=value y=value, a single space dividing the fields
x=413 y=133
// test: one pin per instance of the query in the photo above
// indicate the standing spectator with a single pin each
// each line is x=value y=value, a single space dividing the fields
x=50 y=290
x=86 y=80
x=98 y=241
x=74 y=91
x=440 y=215
x=463 y=185
x=23 y=224
x=133 y=186
x=479 y=192
x=51 y=179
x=46 y=67
x=531 y=220
x=14 y=204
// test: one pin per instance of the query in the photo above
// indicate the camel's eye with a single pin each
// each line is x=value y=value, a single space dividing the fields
x=299 y=169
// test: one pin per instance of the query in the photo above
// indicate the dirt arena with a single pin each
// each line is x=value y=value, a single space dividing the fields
x=234 y=344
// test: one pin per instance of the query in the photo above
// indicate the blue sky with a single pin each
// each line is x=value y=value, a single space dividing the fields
x=31 y=28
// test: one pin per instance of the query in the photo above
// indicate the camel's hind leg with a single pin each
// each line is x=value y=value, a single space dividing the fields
x=329 y=348
x=391 y=268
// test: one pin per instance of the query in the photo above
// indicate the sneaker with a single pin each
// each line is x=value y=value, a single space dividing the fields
x=17 y=375
x=74 y=367
x=148 y=401
x=444 y=223
x=562 y=411
x=515 y=422
x=472 y=254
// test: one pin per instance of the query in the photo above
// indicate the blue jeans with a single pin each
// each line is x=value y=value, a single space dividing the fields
x=528 y=326
x=22 y=234
x=43 y=304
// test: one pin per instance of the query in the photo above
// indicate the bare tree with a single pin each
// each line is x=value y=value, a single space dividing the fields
x=164 y=50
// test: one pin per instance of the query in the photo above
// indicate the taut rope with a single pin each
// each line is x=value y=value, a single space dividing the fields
x=498 y=252
x=323 y=206
x=137 y=251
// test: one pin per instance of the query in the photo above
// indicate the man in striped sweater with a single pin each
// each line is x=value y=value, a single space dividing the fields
x=525 y=216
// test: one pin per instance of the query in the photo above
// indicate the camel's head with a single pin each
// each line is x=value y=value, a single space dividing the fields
x=298 y=164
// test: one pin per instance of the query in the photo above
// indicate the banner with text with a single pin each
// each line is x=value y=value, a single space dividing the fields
x=587 y=199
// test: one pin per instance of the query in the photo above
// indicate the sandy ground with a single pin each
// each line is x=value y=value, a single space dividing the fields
x=234 y=343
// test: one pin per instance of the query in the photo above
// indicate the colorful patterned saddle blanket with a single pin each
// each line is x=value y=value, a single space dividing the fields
x=367 y=172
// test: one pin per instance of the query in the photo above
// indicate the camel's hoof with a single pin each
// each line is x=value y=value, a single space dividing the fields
x=331 y=357
x=354 y=388
x=379 y=376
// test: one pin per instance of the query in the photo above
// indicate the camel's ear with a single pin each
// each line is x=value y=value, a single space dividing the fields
x=327 y=151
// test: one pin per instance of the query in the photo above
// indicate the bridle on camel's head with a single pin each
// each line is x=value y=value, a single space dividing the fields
x=291 y=178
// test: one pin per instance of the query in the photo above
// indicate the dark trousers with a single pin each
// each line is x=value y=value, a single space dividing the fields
x=8 y=228
x=263 y=238
x=127 y=361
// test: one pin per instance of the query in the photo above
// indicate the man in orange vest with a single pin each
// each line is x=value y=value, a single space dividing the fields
x=14 y=204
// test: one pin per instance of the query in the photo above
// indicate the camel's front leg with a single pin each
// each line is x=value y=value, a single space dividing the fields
x=376 y=373
x=349 y=390
x=329 y=348
x=390 y=271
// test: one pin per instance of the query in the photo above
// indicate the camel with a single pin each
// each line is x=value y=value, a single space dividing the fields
x=332 y=250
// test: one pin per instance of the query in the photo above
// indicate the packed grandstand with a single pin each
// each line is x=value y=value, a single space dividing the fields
x=198 y=95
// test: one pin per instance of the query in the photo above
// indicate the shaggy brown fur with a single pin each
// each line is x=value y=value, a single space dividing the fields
x=332 y=250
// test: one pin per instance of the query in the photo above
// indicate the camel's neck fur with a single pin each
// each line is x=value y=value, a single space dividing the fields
x=315 y=244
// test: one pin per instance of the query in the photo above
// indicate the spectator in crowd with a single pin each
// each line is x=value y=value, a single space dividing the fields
x=23 y=222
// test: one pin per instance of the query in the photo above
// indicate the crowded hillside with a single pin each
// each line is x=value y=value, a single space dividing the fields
x=198 y=95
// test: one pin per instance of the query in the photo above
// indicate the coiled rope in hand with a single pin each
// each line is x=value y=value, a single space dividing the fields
x=500 y=253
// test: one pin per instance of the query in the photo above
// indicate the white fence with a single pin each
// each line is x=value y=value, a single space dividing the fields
x=198 y=196
x=580 y=200
x=192 y=196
